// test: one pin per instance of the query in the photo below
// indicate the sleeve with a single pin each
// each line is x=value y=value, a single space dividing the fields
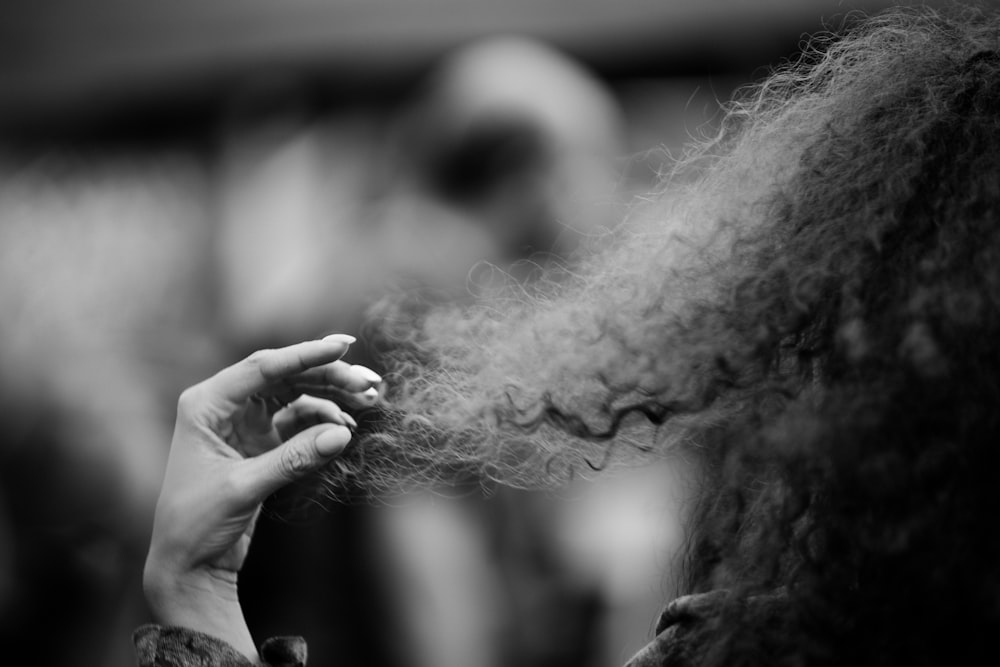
x=167 y=646
x=680 y=632
x=686 y=628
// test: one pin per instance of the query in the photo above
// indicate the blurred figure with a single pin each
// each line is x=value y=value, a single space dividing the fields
x=509 y=152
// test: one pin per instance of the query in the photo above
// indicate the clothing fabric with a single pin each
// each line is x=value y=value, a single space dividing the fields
x=680 y=639
x=679 y=632
x=688 y=626
x=168 y=646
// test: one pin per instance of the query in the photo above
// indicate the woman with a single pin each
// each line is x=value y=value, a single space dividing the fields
x=811 y=312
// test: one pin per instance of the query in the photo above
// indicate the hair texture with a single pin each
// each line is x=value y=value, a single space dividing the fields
x=811 y=307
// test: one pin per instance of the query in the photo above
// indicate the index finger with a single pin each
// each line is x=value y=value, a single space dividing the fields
x=264 y=368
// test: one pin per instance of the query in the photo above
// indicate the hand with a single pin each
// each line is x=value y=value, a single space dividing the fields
x=241 y=435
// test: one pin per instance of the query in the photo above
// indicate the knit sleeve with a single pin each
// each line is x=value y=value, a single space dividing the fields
x=167 y=646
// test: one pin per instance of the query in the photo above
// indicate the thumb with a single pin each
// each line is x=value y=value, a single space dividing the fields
x=298 y=456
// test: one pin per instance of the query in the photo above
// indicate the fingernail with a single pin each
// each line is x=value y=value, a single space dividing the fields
x=340 y=338
x=370 y=394
x=367 y=374
x=331 y=442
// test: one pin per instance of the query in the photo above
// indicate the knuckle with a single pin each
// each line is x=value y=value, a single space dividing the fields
x=258 y=358
x=262 y=361
x=189 y=400
x=295 y=461
x=301 y=363
x=298 y=411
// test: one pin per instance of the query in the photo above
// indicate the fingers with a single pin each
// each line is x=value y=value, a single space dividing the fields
x=321 y=380
x=307 y=411
x=266 y=368
x=300 y=455
x=353 y=401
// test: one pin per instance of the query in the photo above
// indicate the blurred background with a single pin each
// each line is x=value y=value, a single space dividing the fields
x=184 y=182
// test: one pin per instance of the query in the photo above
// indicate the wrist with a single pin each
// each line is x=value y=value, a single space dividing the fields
x=201 y=599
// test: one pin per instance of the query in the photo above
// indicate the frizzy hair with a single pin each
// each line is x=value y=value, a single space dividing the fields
x=811 y=307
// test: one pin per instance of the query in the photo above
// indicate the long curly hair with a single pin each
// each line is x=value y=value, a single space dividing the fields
x=811 y=309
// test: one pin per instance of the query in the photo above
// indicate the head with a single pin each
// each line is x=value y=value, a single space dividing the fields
x=810 y=309
x=506 y=151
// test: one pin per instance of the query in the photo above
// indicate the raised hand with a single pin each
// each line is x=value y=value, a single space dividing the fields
x=241 y=435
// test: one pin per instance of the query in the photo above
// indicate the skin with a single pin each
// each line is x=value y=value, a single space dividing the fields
x=240 y=436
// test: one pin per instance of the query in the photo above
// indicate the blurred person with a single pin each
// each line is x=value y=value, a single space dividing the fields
x=509 y=152
x=809 y=316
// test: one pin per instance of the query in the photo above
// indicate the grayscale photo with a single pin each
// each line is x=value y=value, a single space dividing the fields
x=499 y=333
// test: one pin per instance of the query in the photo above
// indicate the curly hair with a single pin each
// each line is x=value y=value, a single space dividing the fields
x=811 y=308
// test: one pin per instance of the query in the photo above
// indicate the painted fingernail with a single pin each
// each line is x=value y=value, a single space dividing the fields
x=331 y=441
x=367 y=374
x=340 y=338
